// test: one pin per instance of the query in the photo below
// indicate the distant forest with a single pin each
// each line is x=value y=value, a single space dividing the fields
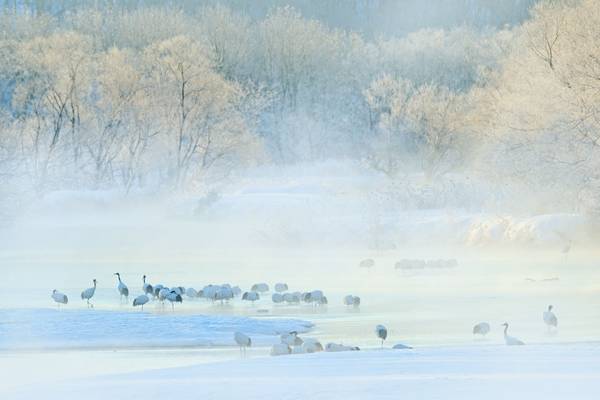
x=371 y=17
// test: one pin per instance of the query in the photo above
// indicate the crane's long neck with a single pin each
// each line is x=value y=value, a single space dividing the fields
x=144 y=279
x=119 y=278
x=505 y=330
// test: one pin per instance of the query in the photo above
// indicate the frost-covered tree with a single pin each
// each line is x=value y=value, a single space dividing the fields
x=198 y=109
x=435 y=115
x=543 y=107
x=421 y=125
x=52 y=82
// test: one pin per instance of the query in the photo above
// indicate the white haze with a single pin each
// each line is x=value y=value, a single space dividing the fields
x=323 y=135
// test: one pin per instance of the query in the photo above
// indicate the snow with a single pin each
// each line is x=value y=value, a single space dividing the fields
x=334 y=203
x=465 y=372
x=548 y=229
x=48 y=329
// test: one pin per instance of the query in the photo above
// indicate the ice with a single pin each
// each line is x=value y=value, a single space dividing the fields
x=51 y=329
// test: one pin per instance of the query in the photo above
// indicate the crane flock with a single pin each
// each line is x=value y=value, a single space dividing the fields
x=290 y=342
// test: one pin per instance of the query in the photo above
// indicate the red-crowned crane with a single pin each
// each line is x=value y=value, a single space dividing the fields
x=122 y=288
x=88 y=293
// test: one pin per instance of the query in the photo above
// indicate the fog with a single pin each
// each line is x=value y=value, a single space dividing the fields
x=454 y=144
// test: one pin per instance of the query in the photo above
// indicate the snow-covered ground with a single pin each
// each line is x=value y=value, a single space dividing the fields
x=336 y=204
x=468 y=372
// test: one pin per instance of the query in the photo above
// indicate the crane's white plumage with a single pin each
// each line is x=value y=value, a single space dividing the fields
x=335 y=347
x=482 y=328
x=174 y=297
x=348 y=300
x=179 y=290
x=88 y=293
x=292 y=298
x=163 y=293
x=251 y=296
x=208 y=291
x=243 y=341
x=311 y=345
x=146 y=287
x=291 y=339
x=141 y=300
x=59 y=297
x=316 y=297
x=260 y=287
x=224 y=293
x=157 y=289
x=550 y=318
x=277 y=298
x=281 y=287
x=510 y=341
x=351 y=300
x=280 y=349
x=121 y=287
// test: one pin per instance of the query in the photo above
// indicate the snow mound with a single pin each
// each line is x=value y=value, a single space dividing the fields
x=44 y=328
x=546 y=229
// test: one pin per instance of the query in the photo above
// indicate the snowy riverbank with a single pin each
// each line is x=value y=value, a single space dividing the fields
x=466 y=372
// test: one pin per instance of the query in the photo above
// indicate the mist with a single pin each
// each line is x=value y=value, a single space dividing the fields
x=439 y=160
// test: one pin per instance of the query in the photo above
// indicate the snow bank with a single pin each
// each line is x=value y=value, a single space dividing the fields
x=554 y=229
x=45 y=328
x=335 y=203
x=470 y=372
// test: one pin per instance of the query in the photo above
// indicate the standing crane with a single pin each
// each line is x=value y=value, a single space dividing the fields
x=243 y=341
x=381 y=332
x=59 y=298
x=88 y=293
x=122 y=288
